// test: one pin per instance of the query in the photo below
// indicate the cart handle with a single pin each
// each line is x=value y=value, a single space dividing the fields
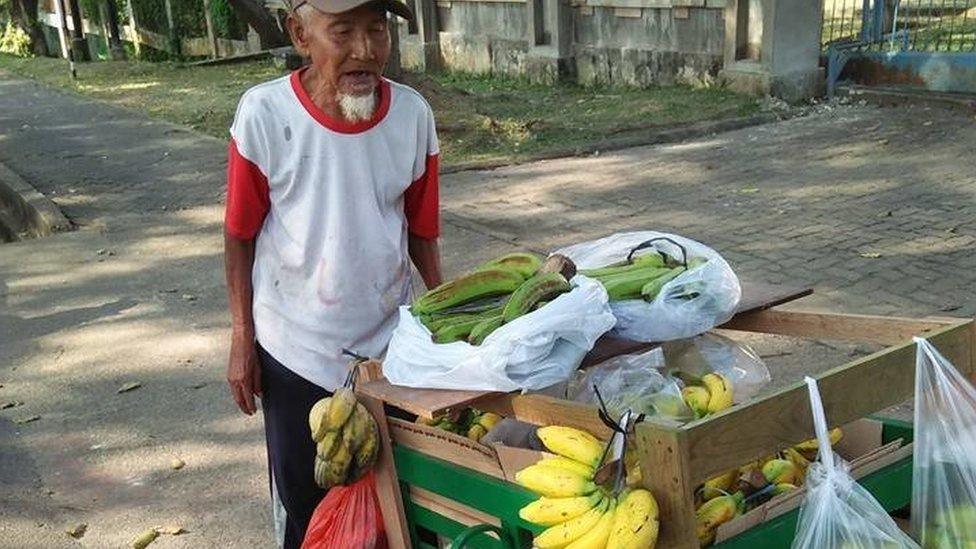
x=466 y=535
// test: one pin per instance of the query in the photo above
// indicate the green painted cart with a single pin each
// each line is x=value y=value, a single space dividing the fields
x=445 y=488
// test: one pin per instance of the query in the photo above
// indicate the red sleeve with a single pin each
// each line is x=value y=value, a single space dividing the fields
x=248 y=199
x=421 y=202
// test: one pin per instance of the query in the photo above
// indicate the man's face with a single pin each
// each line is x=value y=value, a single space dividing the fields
x=348 y=50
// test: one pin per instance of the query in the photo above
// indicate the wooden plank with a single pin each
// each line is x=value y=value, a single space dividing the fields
x=211 y=35
x=816 y=325
x=387 y=482
x=451 y=509
x=759 y=295
x=447 y=446
x=426 y=403
x=664 y=459
x=854 y=390
x=544 y=410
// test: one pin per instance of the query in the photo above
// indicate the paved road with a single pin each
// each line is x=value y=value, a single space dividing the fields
x=873 y=207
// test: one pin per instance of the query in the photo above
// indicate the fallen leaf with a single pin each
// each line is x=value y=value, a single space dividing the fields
x=77 y=530
x=749 y=190
x=144 y=539
x=27 y=419
x=870 y=255
x=131 y=386
x=171 y=530
x=177 y=464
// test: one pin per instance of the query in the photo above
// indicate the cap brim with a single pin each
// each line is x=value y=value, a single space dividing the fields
x=339 y=6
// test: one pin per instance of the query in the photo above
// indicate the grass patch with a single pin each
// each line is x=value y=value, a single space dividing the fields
x=479 y=118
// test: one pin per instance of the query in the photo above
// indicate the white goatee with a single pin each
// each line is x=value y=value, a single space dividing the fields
x=357 y=108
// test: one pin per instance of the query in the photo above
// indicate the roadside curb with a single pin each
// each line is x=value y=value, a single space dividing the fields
x=899 y=97
x=640 y=138
x=23 y=209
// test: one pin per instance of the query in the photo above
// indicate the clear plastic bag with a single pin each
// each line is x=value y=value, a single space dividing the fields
x=944 y=473
x=710 y=352
x=694 y=302
x=532 y=352
x=837 y=512
x=633 y=382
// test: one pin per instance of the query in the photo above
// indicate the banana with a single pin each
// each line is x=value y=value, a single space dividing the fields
x=567 y=532
x=802 y=464
x=365 y=457
x=456 y=331
x=328 y=445
x=572 y=465
x=697 y=398
x=552 y=511
x=320 y=471
x=523 y=263
x=488 y=420
x=714 y=513
x=650 y=290
x=780 y=471
x=639 y=262
x=596 y=537
x=343 y=404
x=336 y=467
x=810 y=447
x=484 y=328
x=554 y=482
x=635 y=525
x=476 y=431
x=720 y=485
x=783 y=488
x=316 y=418
x=572 y=443
x=719 y=390
x=471 y=287
x=540 y=287
x=628 y=285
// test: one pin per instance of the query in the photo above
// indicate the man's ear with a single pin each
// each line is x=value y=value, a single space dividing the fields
x=296 y=29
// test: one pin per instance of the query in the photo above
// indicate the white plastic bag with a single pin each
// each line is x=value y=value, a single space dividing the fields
x=944 y=470
x=672 y=314
x=837 y=512
x=532 y=352
x=710 y=352
x=633 y=382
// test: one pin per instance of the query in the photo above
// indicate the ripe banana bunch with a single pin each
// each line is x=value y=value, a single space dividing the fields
x=471 y=423
x=573 y=444
x=712 y=396
x=810 y=447
x=714 y=513
x=719 y=485
x=346 y=436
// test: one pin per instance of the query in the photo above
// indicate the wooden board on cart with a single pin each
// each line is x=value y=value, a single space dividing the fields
x=429 y=403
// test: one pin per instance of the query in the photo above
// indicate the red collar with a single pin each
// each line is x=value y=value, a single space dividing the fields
x=341 y=126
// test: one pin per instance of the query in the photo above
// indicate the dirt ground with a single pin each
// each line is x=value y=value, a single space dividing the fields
x=872 y=207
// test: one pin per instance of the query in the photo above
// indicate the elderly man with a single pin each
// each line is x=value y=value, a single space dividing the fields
x=332 y=191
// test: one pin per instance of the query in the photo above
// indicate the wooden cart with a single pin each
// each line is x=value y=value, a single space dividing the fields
x=434 y=487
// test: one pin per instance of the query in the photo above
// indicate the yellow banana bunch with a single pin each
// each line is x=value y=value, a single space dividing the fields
x=564 y=533
x=801 y=462
x=572 y=443
x=714 y=513
x=346 y=437
x=720 y=485
x=780 y=471
x=719 y=391
x=572 y=465
x=635 y=524
x=554 y=482
x=596 y=537
x=552 y=511
x=810 y=447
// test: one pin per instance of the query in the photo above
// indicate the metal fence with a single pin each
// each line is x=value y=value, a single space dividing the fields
x=921 y=25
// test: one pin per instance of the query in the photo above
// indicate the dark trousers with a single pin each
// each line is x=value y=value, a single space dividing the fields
x=286 y=400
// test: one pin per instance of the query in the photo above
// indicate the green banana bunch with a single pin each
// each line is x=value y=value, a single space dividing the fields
x=468 y=288
x=523 y=263
x=538 y=288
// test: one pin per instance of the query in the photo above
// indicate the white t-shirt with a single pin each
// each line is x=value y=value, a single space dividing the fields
x=330 y=204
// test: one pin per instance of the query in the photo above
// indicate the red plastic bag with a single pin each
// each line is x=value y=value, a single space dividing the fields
x=348 y=517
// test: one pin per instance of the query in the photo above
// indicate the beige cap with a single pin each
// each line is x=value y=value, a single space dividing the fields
x=338 y=6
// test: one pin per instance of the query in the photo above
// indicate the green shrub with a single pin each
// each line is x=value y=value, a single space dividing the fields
x=15 y=41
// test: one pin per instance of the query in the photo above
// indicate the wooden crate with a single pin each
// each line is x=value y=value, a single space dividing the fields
x=676 y=459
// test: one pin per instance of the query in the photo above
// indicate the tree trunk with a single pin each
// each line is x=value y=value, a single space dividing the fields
x=24 y=14
x=258 y=18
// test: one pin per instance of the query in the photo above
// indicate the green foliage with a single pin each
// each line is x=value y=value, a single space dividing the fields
x=225 y=21
x=15 y=41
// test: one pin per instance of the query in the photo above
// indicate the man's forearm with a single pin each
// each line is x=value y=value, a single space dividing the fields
x=426 y=256
x=238 y=263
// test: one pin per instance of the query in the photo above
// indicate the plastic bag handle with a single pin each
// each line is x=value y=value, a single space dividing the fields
x=650 y=244
x=824 y=450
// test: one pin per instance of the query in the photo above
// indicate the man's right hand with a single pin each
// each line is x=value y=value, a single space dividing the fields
x=244 y=372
